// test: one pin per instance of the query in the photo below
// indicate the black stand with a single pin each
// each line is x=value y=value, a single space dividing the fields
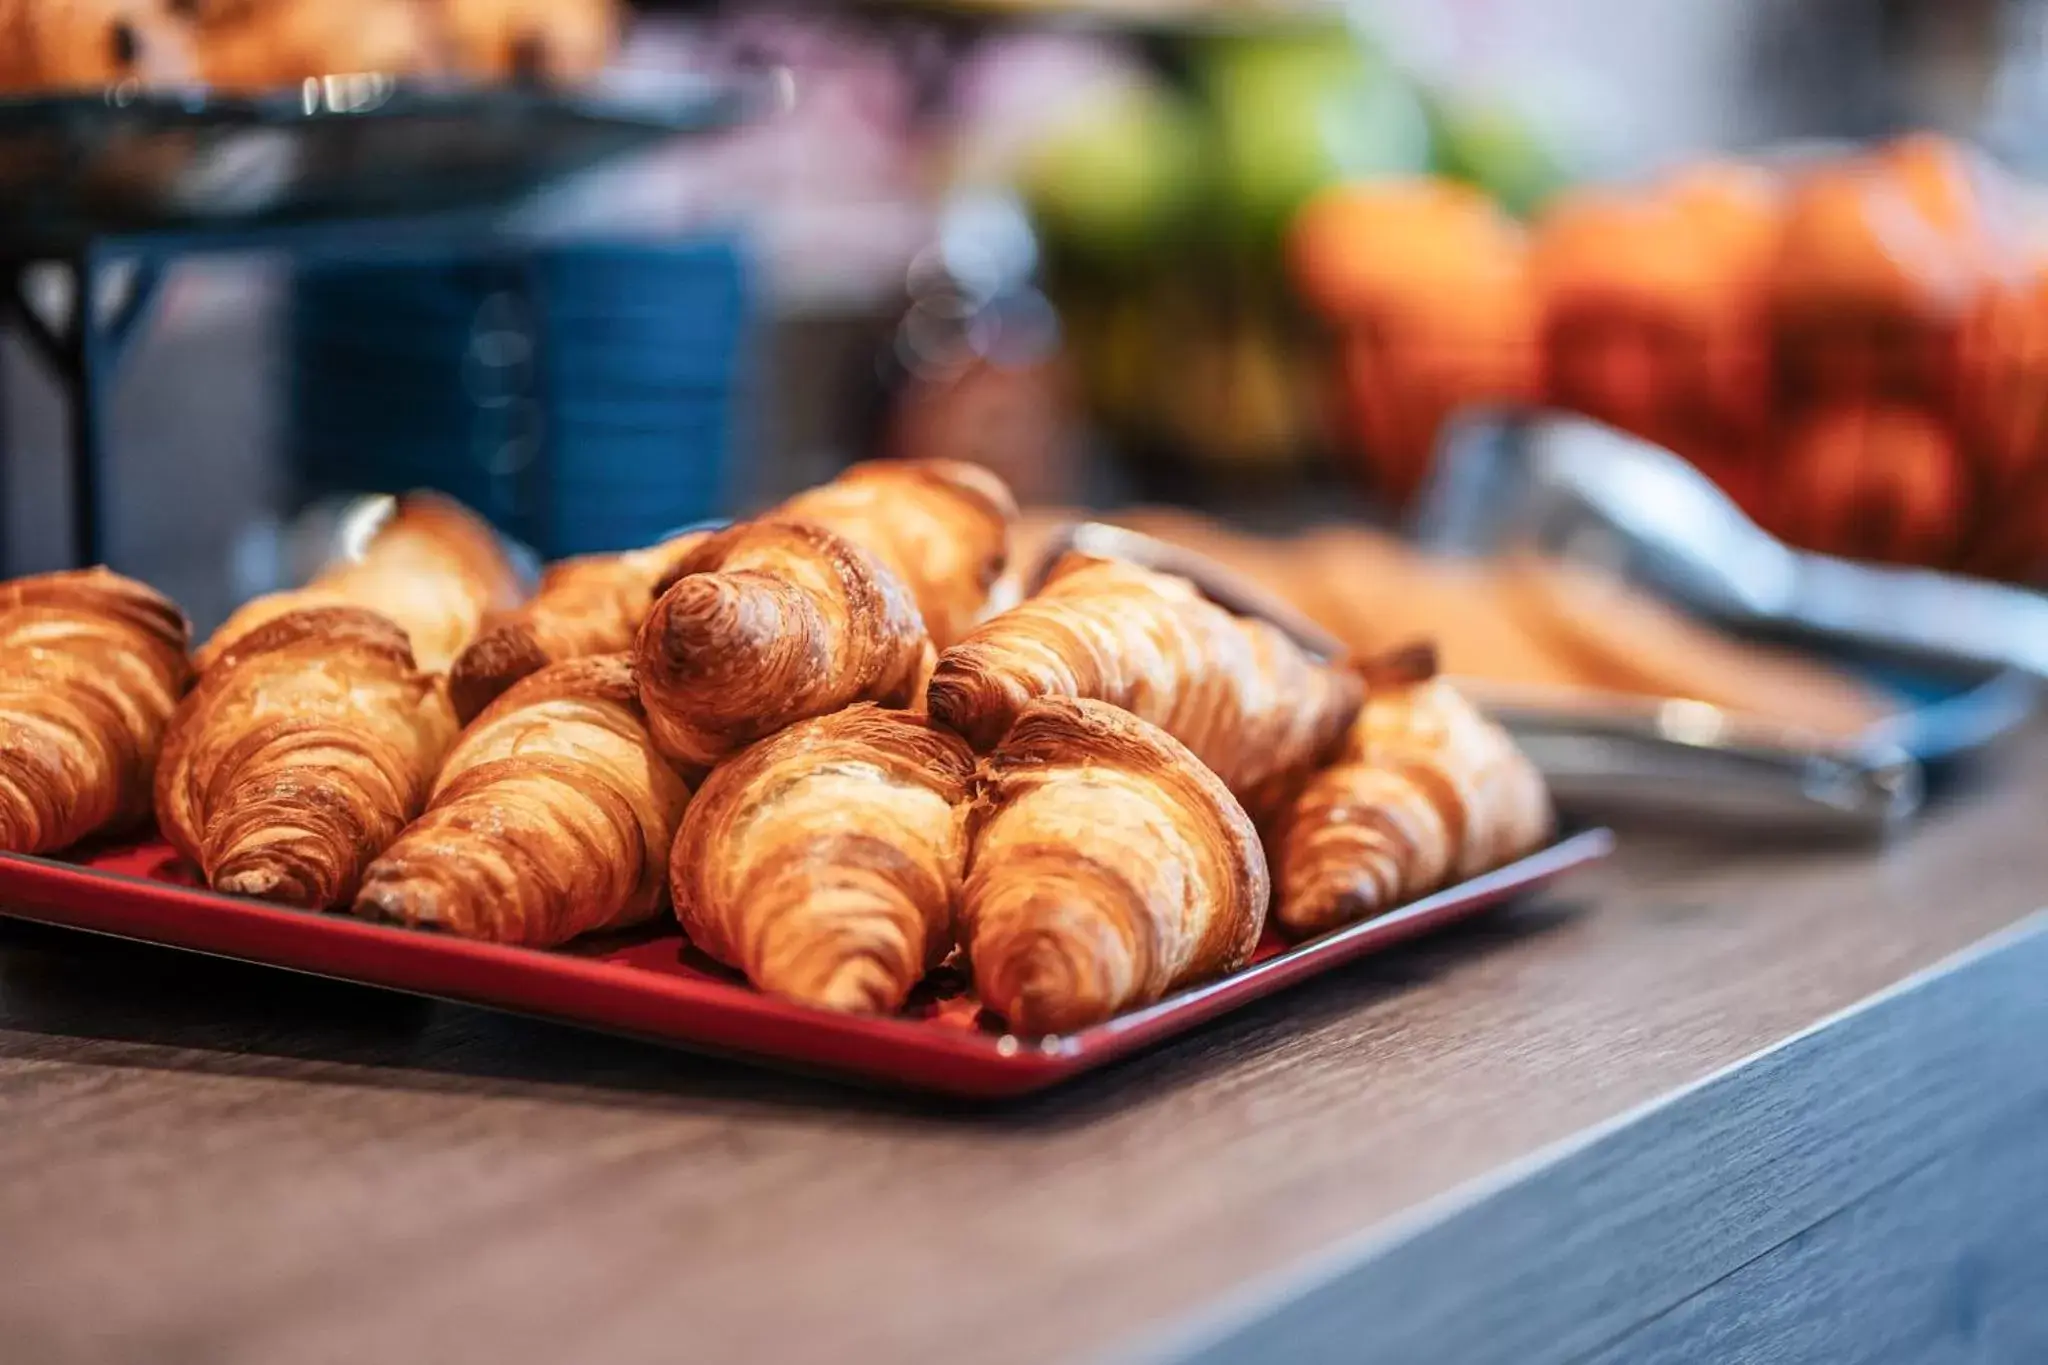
x=80 y=352
x=322 y=158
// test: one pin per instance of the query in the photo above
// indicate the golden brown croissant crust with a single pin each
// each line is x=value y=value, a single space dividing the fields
x=1427 y=788
x=1492 y=799
x=434 y=568
x=301 y=753
x=91 y=665
x=552 y=817
x=942 y=526
x=768 y=623
x=591 y=604
x=825 y=861
x=1107 y=866
x=1357 y=841
x=1248 y=701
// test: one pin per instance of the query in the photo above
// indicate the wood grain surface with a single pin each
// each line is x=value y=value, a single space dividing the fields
x=1780 y=1199
x=207 y=1162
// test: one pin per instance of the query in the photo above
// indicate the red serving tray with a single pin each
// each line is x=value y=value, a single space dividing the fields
x=653 y=985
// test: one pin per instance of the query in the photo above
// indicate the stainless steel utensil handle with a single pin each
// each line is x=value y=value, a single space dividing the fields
x=1922 y=615
x=1627 y=760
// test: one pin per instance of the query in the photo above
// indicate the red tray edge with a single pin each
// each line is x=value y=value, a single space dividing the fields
x=723 y=1018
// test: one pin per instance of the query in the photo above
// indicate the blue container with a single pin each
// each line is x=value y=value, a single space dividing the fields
x=583 y=397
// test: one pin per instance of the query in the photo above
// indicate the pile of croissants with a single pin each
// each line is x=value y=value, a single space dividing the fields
x=255 y=45
x=820 y=735
x=1855 y=348
x=1515 y=626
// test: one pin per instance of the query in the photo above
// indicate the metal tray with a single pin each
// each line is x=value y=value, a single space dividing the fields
x=73 y=167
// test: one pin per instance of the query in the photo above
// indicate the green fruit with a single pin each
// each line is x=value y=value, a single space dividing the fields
x=1496 y=150
x=1295 y=114
x=1123 y=173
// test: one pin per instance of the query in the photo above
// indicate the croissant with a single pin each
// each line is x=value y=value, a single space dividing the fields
x=942 y=526
x=1107 y=865
x=1426 y=787
x=303 y=751
x=1492 y=797
x=1358 y=840
x=91 y=665
x=433 y=567
x=825 y=861
x=591 y=604
x=768 y=623
x=534 y=41
x=551 y=818
x=1248 y=701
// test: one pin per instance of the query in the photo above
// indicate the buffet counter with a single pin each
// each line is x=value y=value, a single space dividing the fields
x=1622 y=1122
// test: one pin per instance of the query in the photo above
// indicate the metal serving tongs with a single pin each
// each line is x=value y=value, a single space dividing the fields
x=1573 y=488
x=1605 y=756
x=1678 y=761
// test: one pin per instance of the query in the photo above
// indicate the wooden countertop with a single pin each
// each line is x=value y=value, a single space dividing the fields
x=206 y=1162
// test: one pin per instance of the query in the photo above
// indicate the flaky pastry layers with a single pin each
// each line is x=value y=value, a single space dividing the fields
x=551 y=818
x=1107 y=865
x=1248 y=701
x=942 y=526
x=1426 y=789
x=591 y=604
x=825 y=861
x=433 y=567
x=91 y=666
x=768 y=623
x=302 y=752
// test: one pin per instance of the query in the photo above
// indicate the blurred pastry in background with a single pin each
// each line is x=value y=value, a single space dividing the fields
x=2004 y=377
x=91 y=44
x=1618 y=639
x=1853 y=347
x=1426 y=288
x=2003 y=374
x=1868 y=292
x=1737 y=212
x=1872 y=481
x=544 y=42
x=1375 y=594
x=256 y=45
x=1961 y=193
x=1652 y=314
x=1622 y=285
x=2012 y=541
